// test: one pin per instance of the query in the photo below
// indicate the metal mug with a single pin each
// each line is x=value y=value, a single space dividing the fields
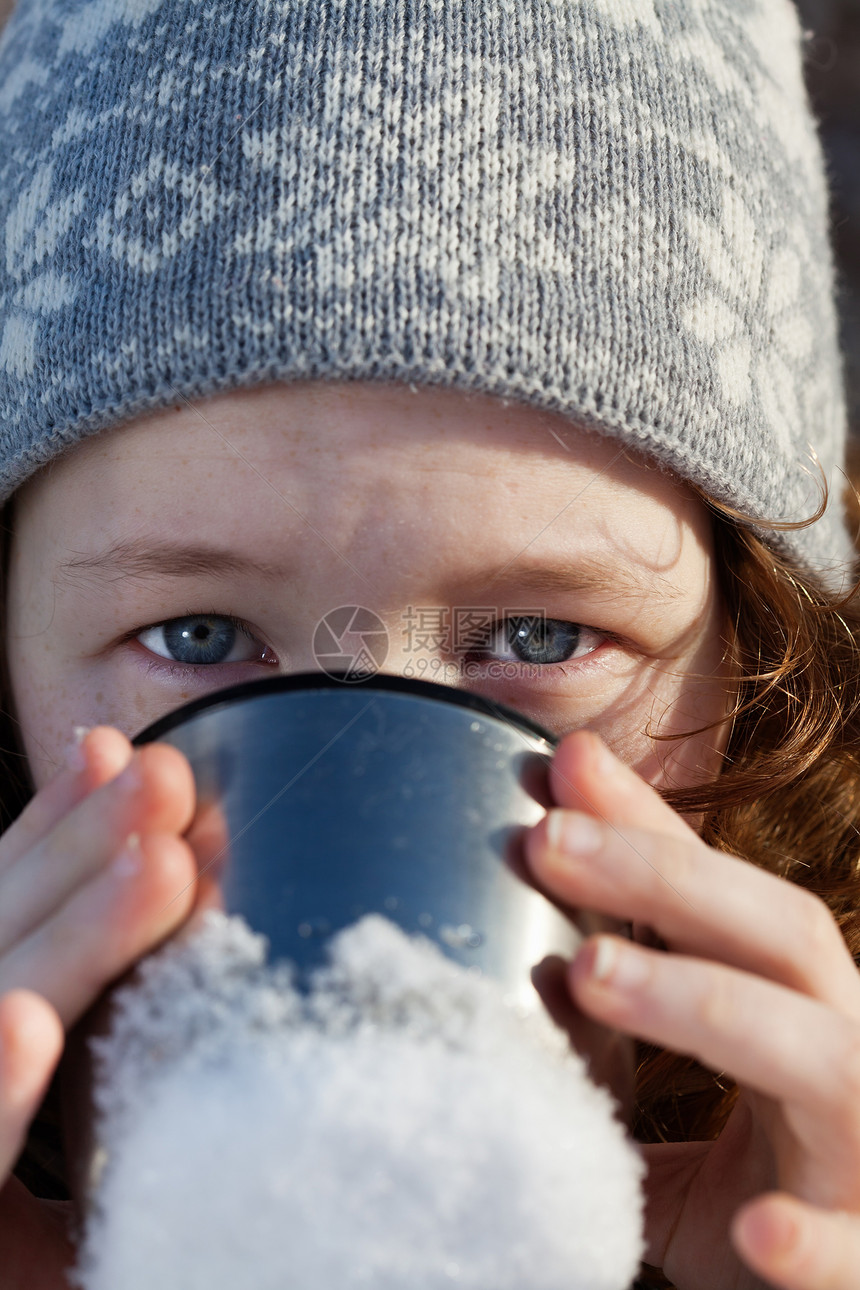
x=320 y=800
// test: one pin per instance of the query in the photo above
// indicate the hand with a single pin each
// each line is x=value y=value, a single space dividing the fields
x=758 y=983
x=71 y=920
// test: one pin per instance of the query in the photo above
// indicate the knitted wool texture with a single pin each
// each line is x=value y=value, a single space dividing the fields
x=612 y=209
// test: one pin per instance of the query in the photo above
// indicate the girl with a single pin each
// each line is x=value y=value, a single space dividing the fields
x=521 y=308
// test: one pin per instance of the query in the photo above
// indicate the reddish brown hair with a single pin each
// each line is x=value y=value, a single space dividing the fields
x=788 y=797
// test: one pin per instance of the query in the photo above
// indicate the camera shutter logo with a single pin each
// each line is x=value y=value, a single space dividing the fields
x=350 y=642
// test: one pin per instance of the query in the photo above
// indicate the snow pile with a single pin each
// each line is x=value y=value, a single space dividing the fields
x=400 y=1124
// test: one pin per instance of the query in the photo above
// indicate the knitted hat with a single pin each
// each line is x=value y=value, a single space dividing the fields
x=612 y=209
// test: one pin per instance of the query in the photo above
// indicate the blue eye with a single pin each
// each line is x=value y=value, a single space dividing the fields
x=203 y=639
x=542 y=640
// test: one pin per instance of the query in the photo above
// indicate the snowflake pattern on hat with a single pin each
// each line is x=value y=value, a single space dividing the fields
x=612 y=209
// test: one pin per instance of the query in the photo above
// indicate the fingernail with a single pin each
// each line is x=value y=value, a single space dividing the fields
x=770 y=1231
x=128 y=781
x=571 y=832
x=605 y=758
x=129 y=861
x=610 y=963
x=75 y=758
x=784 y=1233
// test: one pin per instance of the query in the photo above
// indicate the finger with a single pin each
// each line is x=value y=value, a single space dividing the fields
x=31 y=1040
x=701 y=901
x=101 y=754
x=586 y=776
x=795 y=1246
x=775 y=1041
x=608 y=1054
x=106 y=925
x=155 y=793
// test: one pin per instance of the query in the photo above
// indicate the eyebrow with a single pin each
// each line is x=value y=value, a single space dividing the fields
x=585 y=575
x=143 y=560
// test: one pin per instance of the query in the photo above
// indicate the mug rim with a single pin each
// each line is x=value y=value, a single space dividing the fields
x=384 y=681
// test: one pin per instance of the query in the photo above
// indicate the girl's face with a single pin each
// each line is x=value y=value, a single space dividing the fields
x=446 y=514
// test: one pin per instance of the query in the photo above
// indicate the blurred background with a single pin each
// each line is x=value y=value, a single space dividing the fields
x=833 y=78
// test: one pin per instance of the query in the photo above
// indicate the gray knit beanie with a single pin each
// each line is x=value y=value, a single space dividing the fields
x=613 y=209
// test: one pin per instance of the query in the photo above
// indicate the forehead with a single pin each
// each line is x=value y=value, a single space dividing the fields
x=313 y=480
x=417 y=483
x=387 y=428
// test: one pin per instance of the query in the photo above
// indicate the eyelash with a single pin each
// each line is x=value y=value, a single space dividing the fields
x=502 y=627
x=159 y=665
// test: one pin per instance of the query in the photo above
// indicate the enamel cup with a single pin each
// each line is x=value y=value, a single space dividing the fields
x=319 y=801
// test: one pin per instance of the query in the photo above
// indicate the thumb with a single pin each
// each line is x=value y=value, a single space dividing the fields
x=34 y=1248
x=31 y=1040
x=796 y=1246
